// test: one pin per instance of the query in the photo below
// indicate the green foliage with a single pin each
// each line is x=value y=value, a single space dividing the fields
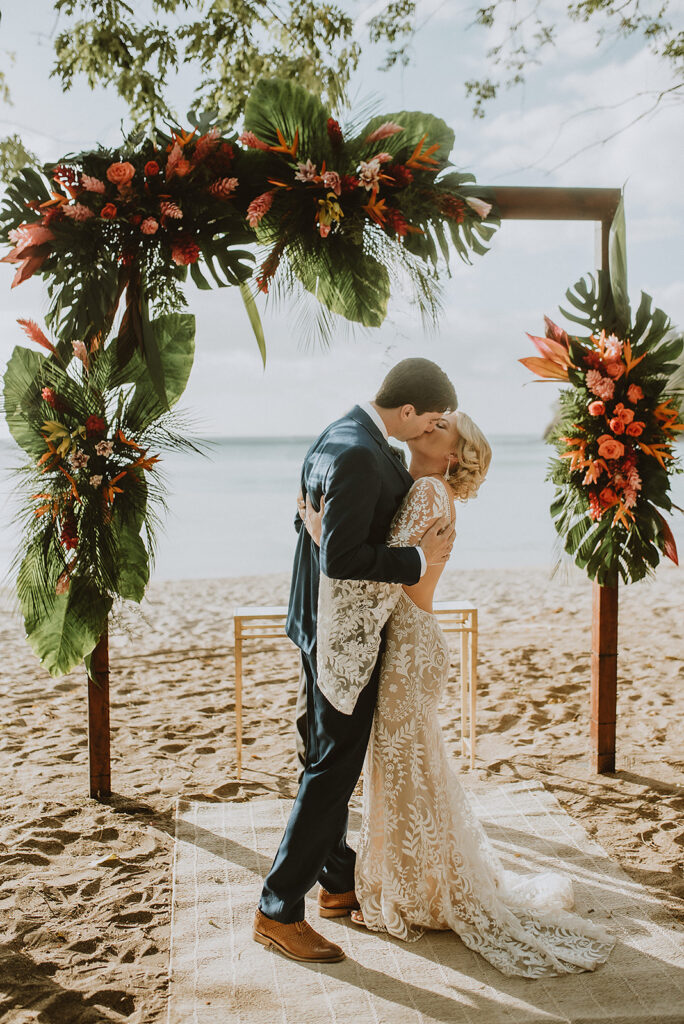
x=21 y=399
x=13 y=156
x=69 y=629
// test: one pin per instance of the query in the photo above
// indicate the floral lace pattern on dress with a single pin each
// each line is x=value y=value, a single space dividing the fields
x=352 y=613
x=424 y=860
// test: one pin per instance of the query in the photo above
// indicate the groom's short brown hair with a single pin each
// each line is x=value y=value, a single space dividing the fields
x=420 y=383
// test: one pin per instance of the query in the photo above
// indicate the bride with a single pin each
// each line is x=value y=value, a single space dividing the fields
x=424 y=861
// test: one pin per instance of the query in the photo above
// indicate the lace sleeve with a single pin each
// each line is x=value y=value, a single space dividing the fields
x=426 y=501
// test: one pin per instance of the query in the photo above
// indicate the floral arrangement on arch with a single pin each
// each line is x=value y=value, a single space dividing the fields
x=91 y=486
x=617 y=433
x=347 y=212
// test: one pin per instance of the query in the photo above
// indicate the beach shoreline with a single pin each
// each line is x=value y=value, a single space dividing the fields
x=85 y=887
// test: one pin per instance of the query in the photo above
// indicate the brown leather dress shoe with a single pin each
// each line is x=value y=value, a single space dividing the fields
x=336 y=904
x=298 y=941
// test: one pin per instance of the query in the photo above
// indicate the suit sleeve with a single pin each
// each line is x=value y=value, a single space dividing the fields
x=352 y=489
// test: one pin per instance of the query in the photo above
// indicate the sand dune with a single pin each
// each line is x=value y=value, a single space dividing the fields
x=85 y=887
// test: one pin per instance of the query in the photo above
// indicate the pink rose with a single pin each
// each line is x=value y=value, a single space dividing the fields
x=149 y=226
x=596 y=408
x=615 y=370
x=635 y=429
x=120 y=173
x=609 y=448
x=617 y=426
x=331 y=180
x=634 y=393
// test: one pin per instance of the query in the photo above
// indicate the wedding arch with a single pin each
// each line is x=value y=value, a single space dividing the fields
x=341 y=215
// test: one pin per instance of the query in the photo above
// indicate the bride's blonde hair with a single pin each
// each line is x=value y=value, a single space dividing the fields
x=473 y=455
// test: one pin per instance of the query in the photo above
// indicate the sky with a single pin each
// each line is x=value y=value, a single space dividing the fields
x=544 y=133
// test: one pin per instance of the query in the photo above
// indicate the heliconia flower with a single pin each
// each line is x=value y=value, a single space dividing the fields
x=259 y=207
x=369 y=174
x=78 y=212
x=151 y=169
x=170 y=210
x=223 y=188
x=634 y=393
x=78 y=459
x=596 y=408
x=104 y=448
x=108 y=211
x=95 y=480
x=120 y=173
x=81 y=352
x=250 y=140
x=149 y=226
x=384 y=131
x=331 y=180
x=185 y=251
x=306 y=172
x=90 y=184
x=481 y=208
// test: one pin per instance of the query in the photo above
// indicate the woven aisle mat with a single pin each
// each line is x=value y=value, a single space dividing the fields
x=219 y=975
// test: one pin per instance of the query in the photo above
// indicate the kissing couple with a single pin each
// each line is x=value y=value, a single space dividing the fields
x=374 y=538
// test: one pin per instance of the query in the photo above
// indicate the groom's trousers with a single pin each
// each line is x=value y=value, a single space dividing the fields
x=314 y=847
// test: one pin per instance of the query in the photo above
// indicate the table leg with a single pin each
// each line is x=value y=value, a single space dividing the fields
x=464 y=690
x=473 y=686
x=238 y=699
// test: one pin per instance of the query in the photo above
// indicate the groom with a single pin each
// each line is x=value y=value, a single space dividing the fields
x=364 y=483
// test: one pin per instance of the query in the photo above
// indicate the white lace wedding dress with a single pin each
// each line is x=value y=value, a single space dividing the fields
x=424 y=860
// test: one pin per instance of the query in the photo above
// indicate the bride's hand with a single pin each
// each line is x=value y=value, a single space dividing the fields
x=301 y=506
x=313 y=520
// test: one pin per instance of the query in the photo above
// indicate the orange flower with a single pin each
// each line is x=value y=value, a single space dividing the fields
x=120 y=173
x=108 y=211
x=595 y=468
x=423 y=160
x=609 y=448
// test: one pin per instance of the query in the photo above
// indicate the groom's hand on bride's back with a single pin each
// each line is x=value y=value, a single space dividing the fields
x=313 y=520
x=437 y=541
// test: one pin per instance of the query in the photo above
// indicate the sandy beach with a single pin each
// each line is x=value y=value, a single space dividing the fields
x=85 y=887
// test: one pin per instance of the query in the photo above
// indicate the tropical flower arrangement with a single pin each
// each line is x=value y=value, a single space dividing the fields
x=342 y=210
x=91 y=484
x=616 y=436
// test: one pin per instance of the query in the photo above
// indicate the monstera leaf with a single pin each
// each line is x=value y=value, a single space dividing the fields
x=22 y=398
x=173 y=340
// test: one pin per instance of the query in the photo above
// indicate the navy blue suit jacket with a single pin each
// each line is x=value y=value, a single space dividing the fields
x=364 y=484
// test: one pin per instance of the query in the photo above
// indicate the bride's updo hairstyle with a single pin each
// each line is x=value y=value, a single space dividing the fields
x=473 y=455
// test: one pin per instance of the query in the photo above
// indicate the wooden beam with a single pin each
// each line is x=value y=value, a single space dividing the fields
x=98 y=720
x=520 y=203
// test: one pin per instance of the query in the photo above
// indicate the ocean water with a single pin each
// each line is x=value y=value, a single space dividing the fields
x=231 y=513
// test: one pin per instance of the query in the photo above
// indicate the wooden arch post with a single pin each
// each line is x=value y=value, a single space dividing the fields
x=598 y=205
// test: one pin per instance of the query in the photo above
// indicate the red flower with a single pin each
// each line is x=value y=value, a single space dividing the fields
x=334 y=132
x=50 y=397
x=151 y=169
x=184 y=251
x=95 y=426
x=108 y=211
x=396 y=220
x=451 y=207
x=349 y=183
x=595 y=510
x=593 y=360
x=135 y=219
x=401 y=174
x=69 y=534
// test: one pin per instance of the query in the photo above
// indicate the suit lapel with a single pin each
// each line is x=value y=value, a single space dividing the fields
x=361 y=417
